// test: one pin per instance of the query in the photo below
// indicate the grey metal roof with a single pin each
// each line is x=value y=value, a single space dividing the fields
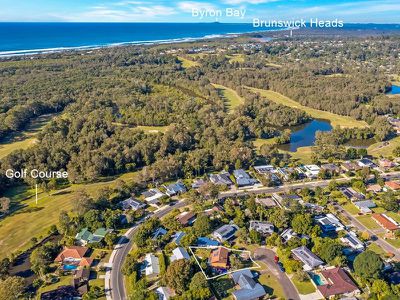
x=307 y=257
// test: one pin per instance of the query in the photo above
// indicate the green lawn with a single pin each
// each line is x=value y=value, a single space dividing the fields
x=257 y=143
x=64 y=280
x=302 y=154
x=270 y=283
x=336 y=120
x=381 y=149
x=394 y=242
x=368 y=222
x=25 y=139
x=394 y=216
x=230 y=97
x=304 y=287
x=34 y=220
x=187 y=63
x=377 y=249
x=351 y=208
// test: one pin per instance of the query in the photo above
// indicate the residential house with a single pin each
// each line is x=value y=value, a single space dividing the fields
x=219 y=258
x=151 y=265
x=286 y=200
x=71 y=254
x=287 y=234
x=375 y=188
x=310 y=260
x=365 y=206
x=206 y=242
x=243 y=179
x=249 y=288
x=265 y=228
x=311 y=171
x=286 y=173
x=164 y=293
x=351 y=240
x=386 y=222
x=265 y=169
x=177 y=237
x=159 y=233
x=225 y=232
x=179 y=253
x=331 y=168
x=337 y=282
x=349 y=166
x=386 y=164
x=329 y=223
x=80 y=280
x=351 y=194
x=222 y=178
x=186 y=218
x=175 y=189
x=153 y=197
x=198 y=183
x=366 y=163
x=214 y=212
x=392 y=185
x=132 y=204
x=266 y=202
x=85 y=237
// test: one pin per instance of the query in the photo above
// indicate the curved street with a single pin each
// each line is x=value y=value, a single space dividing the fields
x=114 y=281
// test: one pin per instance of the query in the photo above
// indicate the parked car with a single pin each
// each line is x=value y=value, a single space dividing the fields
x=276 y=259
x=280 y=265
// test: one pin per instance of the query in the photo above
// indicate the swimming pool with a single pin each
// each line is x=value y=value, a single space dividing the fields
x=317 y=279
x=69 y=267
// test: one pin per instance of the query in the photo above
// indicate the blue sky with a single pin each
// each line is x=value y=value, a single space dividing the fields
x=373 y=11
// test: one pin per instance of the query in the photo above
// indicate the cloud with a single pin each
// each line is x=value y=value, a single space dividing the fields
x=235 y=2
x=187 y=6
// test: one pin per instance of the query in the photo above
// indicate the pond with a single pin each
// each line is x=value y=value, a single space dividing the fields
x=304 y=135
x=395 y=90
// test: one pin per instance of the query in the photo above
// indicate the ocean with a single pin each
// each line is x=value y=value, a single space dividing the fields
x=32 y=38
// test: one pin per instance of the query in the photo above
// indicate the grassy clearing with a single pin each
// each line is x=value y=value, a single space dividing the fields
x=257 y=143
x=394 y=242
x=304 y=287
x=187 y=63
x=351 y=208
x=230 y=97
x=336 y=120
x=33 y=220
x=153 y=129
x=394 y=216
x=368 y=222
x=236 y=58
x=64 y=280
x=302 y=154
x=376 y=248
x=25 y=139
x=271 y=64
x=384 y=148
x=270 y=283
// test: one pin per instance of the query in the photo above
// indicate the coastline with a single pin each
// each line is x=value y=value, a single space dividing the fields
x=29 y=52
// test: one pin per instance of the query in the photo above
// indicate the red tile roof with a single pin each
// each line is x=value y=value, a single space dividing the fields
x=339 y=283
x=219 y=256
x=76 y=252
x=385 y=222
x=394 y=185
x=86 y=262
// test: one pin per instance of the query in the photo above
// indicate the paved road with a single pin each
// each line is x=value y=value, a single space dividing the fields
x=267 y=257
x=381 y=242
x=116 y=284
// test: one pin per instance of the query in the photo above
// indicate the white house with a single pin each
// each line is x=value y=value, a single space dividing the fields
x=151 y=265
x=153 y=196
x=179 y=253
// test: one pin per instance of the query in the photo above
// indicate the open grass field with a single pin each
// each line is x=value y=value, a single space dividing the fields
x=302 y=154
x=230 y=97
x=187 y=63
x=236 y=58
x=384 y=148
x=304 y=287
x=31 y=220
x=257 y=143
x=368 y=222
x=25 y=139
x=336 y=120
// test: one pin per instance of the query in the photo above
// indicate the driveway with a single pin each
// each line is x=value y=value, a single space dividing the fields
x=267 y=257
x=381 y=242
